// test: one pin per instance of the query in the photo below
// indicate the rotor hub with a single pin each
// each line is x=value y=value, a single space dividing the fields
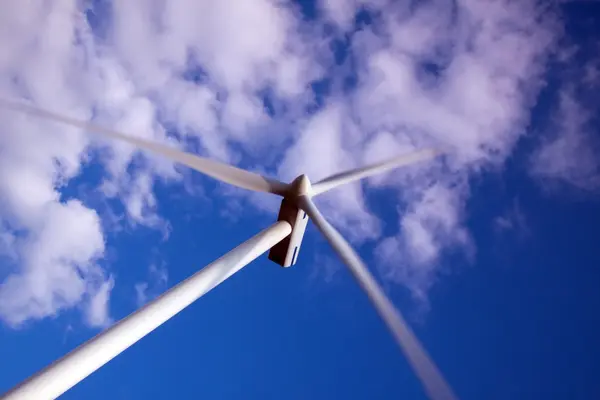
x=301 y=186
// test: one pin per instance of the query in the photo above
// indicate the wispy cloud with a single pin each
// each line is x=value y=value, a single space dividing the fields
x=97 y=308
x=568 y=148
x=512 y=221
x=155 y=284
x=569 y=154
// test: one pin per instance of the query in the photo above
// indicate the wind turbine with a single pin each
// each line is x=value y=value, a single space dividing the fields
x=283 y=239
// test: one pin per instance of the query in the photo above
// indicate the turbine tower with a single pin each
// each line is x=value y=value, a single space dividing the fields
x=283 y=239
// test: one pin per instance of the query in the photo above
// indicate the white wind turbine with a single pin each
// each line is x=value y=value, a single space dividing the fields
x=283 y=239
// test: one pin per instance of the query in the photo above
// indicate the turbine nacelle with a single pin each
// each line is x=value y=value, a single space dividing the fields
x=285 y=253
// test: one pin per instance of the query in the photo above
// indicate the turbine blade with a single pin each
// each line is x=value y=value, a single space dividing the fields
x=364 y=172
x=217 y=170
x=433 y=382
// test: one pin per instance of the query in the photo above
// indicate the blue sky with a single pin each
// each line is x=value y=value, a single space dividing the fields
x=490 y=252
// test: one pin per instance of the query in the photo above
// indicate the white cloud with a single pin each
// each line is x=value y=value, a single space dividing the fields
x=512 y=220
x=325 y=146
x=97 y=313
x=140 y=293
x=479 y=101
x=566 y=156
x=431 y=224
x=341 y=12
x=48 y=57
x=240 y=48
x=154 y=285
x=461 y=78
x=58 y=266
x=569 y=155
x=7 y=243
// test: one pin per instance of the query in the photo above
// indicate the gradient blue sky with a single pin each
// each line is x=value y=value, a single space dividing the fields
x=510 y=312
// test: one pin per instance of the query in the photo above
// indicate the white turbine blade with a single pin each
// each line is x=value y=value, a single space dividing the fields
x=58 y=377
x=364 y=172
x=431 y=378
x=223 y=172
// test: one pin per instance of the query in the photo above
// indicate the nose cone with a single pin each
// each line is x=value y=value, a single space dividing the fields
x=302 y=185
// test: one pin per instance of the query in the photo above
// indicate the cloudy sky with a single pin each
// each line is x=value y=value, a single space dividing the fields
x=489 y=250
